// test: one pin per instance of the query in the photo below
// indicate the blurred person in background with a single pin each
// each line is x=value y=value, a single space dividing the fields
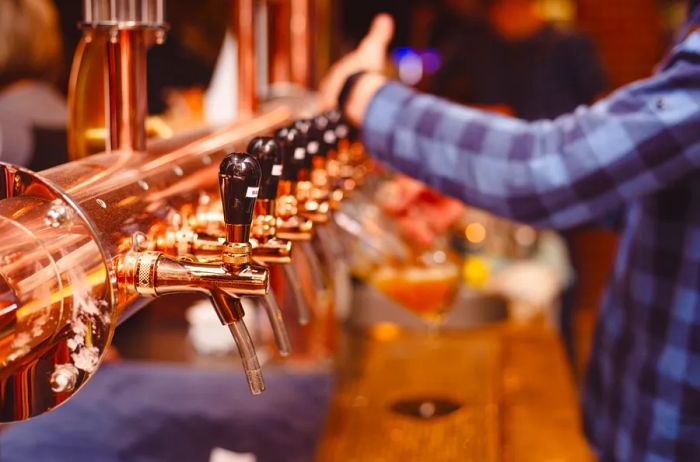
x=33 y=114
x=637 y=149
x=507 y=57
x=504 y=56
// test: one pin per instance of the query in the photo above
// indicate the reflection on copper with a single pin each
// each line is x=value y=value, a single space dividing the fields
x=279 y=14
x=87 y=95
x=126 y=71
x=111 y=196
x=243 y=21
x=300 y=41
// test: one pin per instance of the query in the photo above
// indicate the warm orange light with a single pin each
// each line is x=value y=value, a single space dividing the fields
x=475 y=233
x=386 y=331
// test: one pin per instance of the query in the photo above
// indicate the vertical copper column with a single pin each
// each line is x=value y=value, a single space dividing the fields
x=320 y=47
x=108 y=96
x=300 y=41
x=279 y=40
x=243 y=21
x=128 y=104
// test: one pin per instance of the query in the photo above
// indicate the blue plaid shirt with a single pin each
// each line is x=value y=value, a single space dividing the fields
x=638 y=149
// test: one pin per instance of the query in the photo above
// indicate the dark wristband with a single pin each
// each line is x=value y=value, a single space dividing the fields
x=347 y=89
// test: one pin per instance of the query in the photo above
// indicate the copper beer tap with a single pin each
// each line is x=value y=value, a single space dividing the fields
x=292 y=221
x=311 y=192
x=153 y=273
x=291 y=224
x=268 y=248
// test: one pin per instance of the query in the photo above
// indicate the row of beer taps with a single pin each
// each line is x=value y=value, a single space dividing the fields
x=274 y=197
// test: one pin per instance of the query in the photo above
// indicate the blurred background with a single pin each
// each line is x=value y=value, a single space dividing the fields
x=528 y=58
x=489 y=53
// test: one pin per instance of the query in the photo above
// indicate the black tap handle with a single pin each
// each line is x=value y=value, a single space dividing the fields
x=269 y=155
x=339 y=124
x=294 y=158
x=239 y=181
x=311 y=139
x=326 y=133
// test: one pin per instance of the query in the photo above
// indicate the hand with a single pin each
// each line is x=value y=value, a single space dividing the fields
x=369 y=56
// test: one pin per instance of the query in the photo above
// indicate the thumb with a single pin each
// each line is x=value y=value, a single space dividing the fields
x=380 y=33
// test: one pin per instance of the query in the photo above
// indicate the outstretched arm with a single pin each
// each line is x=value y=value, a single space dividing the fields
x=558 y=173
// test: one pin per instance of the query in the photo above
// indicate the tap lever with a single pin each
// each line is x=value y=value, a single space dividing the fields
x=239 y=181
x=325 y=131
x=294 y=156
x=269 y=155
x=303 y=126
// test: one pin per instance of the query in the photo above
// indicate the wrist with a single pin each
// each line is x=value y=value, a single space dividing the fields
x=361 y=96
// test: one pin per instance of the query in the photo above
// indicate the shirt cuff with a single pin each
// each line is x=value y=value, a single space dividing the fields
x=382 y=117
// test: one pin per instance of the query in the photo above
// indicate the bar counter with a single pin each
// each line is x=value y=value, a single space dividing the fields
x=518 y=397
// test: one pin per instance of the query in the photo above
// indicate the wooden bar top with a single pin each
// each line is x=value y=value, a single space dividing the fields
x=517 y=396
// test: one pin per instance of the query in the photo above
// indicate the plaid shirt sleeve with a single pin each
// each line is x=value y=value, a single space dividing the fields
x=552 y=173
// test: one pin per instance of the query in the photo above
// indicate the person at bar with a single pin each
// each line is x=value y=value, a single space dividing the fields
x=515 y=61
x=638 y=148
x=33 y=113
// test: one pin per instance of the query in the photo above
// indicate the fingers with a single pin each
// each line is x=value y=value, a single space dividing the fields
x=331 y=85
x=373 y=48
x=380 y=32
x=370 y=55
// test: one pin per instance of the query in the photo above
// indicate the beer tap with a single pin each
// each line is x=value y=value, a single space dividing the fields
x=153 y=273
x=290 y=218
x=182 y=240
x=313 y=197
x=267 y=247
x=290 y=224
x=340 y=167
x=327 y=170
x=325 y=178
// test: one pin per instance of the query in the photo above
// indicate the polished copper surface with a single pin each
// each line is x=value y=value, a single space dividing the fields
x=243 y=26
x=512 y=394
x=71 y=225
x=87 y=96
x=107 y=88
x=126 y=76
x=152 y=273
x=279 y=53
x=57 y=298
x=301 y=42
x=87 y=236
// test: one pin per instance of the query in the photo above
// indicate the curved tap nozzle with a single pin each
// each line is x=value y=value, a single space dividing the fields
x=153 y=273
x=232 y=310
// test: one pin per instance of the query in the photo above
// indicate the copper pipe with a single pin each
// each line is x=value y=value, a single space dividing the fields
x=126 y=71
x=300 y=41
x=279 y=40
x=243 y=25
